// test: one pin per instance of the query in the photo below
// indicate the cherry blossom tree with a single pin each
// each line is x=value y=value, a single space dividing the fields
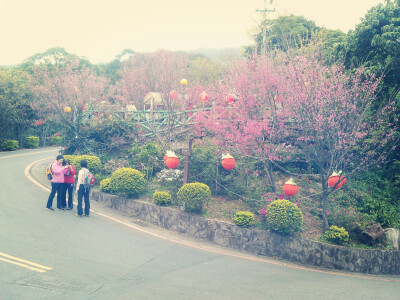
x=247 y=117
x=159 y=73
x=67 y=85
x=299 y=104
x=336 y=123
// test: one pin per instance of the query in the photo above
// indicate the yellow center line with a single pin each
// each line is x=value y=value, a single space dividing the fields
x=24 y=263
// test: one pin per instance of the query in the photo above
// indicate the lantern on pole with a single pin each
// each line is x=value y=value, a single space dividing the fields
x=67 y=109
x=228 y=162
x=173 y=94
x=334 y=179
x=290 y=188
x=171 y=160
x=204 y=96
x=183 y=82
x=230 y=98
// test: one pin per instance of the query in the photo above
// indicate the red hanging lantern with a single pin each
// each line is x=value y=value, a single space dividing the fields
x=230 y=98
x=173 y=94
x=334 y=179
x=228 y=162
x=171 y=160
x=290 y=188
x=84 y=108
x=204 y=96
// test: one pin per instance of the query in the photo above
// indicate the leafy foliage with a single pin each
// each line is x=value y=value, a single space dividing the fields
x=194 y=196
x=128 y=182
x=94 y=163
x=162 y=198
x=283 y=216
x=10 y=145
x=244 y=219
x=337 y=235
x=105 y=185
x=31 y=142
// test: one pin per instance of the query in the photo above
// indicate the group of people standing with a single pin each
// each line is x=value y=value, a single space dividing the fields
x=63 y=181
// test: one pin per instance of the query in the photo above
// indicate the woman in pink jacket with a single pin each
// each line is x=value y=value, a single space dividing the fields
x=69 y=180
x=56 y=183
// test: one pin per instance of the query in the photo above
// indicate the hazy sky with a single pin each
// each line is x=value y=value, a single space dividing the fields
x=101 y=29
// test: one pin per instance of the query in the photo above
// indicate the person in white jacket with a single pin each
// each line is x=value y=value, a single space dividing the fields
x=82 y=191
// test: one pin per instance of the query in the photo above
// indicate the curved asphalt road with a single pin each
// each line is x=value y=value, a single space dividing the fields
x=54 y=255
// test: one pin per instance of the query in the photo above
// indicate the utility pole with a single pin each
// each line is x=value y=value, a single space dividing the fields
x=264 y=29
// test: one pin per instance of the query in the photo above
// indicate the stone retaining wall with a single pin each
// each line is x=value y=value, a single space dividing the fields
x=260 y=242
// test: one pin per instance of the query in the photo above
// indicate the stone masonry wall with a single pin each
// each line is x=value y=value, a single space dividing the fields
x=260 y=242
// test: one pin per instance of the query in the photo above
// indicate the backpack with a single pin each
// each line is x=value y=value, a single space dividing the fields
x=49 y=173
x=89 y=180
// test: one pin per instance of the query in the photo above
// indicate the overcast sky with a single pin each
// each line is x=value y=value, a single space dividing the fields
x=101 y=29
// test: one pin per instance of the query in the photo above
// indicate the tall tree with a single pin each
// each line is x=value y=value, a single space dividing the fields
x=336 y=124
x=283 y=33
x=375 y=44
x=246 y=117
x=16 y=114
x=67 y=85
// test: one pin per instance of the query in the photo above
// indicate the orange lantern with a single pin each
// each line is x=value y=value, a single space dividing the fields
x=290 y=188
x=204 y=96
x=228 y=162
x=172 y=161
x=230 y=98
x=183 y=82
x=334 y=179
x=173 y=94
x=67 y=109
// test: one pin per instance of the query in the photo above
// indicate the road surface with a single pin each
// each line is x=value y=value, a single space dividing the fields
x=55 y=255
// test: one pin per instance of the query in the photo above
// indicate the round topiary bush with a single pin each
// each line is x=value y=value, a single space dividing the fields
x=162 y=198
x=31 y=142
x=283 y=216
x=336 y=235
x=194 y=196
x=127 y=182
x=244 y=219
x=10 y=145
x=105 y=185
x=94 y=163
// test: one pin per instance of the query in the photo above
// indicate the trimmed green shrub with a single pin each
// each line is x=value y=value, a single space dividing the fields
x=194 y=196
x=94 y=163
x=244 y=219
x=162 y=198
x=336 y=235
x=105 y=185
x=10 y=145
x=127 y=182
x=31 y=142
x=56 y=140
x=283 y=216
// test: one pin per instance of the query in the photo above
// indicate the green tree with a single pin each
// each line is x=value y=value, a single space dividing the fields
x=375 y=44
x=16 y=114
x=283 y=33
